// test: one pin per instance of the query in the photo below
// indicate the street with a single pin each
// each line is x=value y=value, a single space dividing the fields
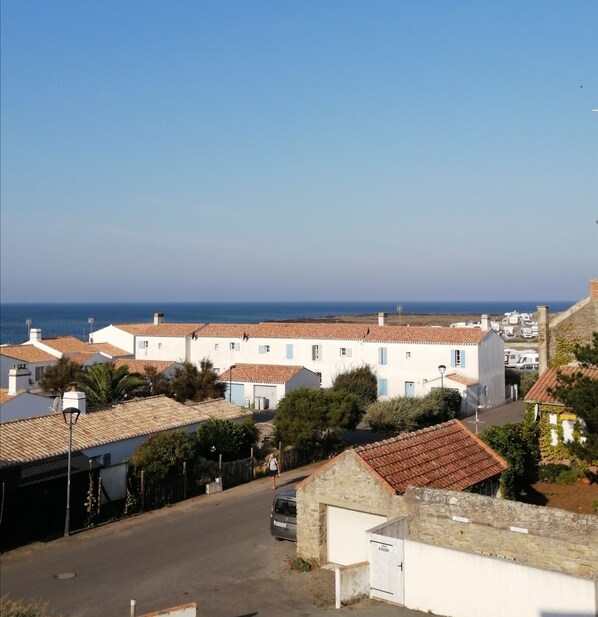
x=215 y=550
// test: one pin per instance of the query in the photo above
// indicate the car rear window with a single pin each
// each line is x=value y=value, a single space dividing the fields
x=284 y=507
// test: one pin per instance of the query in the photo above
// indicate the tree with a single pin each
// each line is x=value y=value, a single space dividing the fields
x=104 y=384
x=224 y=437
x=516 y=444
x=305 y=418
x=192 y=384
x=57 y=379
x=579 y=392
x=163 y=454
x=360 y=382
x=156 y=383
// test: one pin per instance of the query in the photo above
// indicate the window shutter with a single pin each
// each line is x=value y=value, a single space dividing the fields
x=453 y=358
x=463 y=358
x=289 y=351
x=382 y=387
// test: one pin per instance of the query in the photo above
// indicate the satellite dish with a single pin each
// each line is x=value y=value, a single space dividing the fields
x=57 y=405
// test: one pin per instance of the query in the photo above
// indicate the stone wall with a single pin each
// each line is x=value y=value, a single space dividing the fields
x=541 y=537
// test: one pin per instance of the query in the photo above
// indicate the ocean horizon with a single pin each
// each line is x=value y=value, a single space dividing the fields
x=60 y=319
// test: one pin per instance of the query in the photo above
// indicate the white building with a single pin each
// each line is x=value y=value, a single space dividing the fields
x=404 y=359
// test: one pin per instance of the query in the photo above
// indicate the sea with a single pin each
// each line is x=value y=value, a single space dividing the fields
x=78 y=319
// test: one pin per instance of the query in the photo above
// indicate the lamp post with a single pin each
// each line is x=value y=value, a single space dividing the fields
x=230 y=382
x=441 y=370
x=70 y=415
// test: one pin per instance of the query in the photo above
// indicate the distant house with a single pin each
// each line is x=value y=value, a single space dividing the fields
x=404 y=359
x=361 y=488
x=264 y=385
x=558 y=424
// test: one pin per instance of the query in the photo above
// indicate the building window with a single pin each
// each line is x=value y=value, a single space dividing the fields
x=346 y=352
x=289 y=351
x=106 y=459
x=382 y=387
x=315 y=352
x=39 y=372
x=235 y=346
x=264 y=349
x=159 y=345
x=458 y=358
x=320 y=376
x=382 y=355
x=407 y=355
x=143 y=344
x=215 y=346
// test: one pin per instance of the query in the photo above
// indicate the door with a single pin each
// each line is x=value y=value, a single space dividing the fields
x=267 y=392
x=347 y=540
x=409 y=389
x=387 y=576
x=237 y=393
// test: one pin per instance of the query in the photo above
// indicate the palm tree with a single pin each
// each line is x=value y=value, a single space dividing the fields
x=192 y=384
x=104 y=384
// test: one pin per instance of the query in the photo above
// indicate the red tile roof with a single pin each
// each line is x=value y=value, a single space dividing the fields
x=444 y=456
x=138 y=366
x=465 y=381
x=538 y=393
x=162 y=329
x=26 y=353
x=426 y=334
x=67 y=344
x=41 y=437
x=261 y=373
x=226 y=330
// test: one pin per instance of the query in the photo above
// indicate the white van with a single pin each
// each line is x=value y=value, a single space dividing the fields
x=527 y=361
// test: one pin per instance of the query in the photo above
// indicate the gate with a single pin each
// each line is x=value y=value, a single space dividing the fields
x=387 y=563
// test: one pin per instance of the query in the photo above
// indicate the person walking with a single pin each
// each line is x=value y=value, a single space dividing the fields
x=273 y=469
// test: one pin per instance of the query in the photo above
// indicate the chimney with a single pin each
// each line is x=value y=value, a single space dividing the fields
x=35 y=335
x=543 y=339
x=485 y=323
x=382 y=319
x=594 y=290
x=74 y=399
x=18 y=379
x=158 y=318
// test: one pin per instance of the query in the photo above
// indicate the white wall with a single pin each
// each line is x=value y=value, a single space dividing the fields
x=459 y=584
x=7 y=363
x=115 y=336
x=161 y=348
x=492 y=370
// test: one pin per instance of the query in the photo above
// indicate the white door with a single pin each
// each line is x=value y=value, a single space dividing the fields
x=387 y=570
x=347 y=540
x=269 y=393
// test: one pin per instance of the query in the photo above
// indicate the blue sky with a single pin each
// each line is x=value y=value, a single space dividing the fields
x=314 y=150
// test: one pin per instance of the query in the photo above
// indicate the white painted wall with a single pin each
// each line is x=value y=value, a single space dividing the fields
x=434 y=582
x=7 y=363
x=161 y=348
x=115 y=336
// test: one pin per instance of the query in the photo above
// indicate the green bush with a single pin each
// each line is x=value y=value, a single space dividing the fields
x=526 y=383
x=163 y=454
x=595 y=504
x=360 y=382
x=551 y=471
x=569 y=477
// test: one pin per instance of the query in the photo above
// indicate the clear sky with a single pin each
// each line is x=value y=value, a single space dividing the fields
x=314 y=150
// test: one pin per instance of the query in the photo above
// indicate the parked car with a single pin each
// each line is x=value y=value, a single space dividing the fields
x=283 y=516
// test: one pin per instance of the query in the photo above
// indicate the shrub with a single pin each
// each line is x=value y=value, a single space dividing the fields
x=595 y=504
x=18 y=608
x=550 y=472
x=360 y=382
x=224 y=437
x=301 y=565
x=526 y=383
x=163 y=454
x=569 y=477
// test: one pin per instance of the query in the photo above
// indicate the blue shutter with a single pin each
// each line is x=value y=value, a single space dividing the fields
x=289 y=351
x=382 y=355
x=382 y=387
x=453 y=358
x=463 y=358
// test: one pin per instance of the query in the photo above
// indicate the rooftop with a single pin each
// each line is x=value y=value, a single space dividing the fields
x=538 y=393
x=261 y=373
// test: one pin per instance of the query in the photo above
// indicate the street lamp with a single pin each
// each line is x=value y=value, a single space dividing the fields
x=441 y=370
x=230 y=382
x=70 y=415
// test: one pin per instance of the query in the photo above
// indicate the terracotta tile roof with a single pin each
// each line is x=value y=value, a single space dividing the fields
x=109 y=350
x=80 y=357
x=26 y=353
x=4 y=396
x=38 y=438
x=66 y=344
x=466 y=381
x=162 y=329
x=444 y=456
x=261 y=373
x=306 y=330
x=538 y=393
x=226 y=330
x=138 y=366
x=426 y=334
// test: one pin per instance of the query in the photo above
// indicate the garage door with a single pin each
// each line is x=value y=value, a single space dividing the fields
x=268 y=392
x=346 y=534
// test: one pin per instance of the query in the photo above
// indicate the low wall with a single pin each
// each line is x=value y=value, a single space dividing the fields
x=351 y=583
x=449 y=582
x=183 y=610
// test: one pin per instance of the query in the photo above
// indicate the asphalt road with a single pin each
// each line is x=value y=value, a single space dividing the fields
x=215 y=550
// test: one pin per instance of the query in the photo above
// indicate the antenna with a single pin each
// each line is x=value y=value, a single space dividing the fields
x=90 y=321
x=28 y=324
x=56 y=405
